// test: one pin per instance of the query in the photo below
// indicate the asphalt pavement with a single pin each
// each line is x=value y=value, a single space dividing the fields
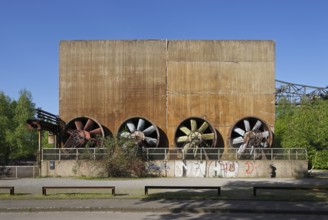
x=136 y=202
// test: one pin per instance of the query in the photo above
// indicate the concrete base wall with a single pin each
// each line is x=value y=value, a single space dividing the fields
x=228 y=168
x=67 y=168
x=188 y=168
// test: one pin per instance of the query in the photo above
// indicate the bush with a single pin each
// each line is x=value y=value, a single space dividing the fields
x=321 y=160
x=304 y=126
x=123 y=158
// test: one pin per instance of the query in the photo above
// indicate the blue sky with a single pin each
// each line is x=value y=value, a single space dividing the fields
x=30 y=32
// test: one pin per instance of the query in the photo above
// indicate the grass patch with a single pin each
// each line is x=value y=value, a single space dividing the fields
x=298 y=198
x=63 y=196
x=227 y=193
x=239 y=194
x=180 y=195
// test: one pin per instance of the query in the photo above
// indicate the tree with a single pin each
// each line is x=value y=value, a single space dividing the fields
x=284 y=113
x=303 y=126
x=5 y=126
x=18 y=139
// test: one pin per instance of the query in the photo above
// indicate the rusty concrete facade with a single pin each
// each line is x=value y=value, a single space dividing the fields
x=167 y=81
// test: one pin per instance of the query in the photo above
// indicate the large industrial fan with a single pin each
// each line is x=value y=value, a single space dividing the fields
x=80 y=130
x=141 y=131
x=249 y=135
x=194 y=133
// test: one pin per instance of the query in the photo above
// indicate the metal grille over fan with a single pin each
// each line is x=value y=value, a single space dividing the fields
x=141 y=130
x=248 y=134
x=195 y=132
x=80 y=130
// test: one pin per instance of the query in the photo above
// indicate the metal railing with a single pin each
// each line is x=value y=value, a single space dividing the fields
x=73 y=153
x=228 y=154
x=19 y=171
x=179 y=154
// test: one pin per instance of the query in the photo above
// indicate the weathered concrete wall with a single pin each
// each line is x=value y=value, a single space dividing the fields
x=190 y=168
x=228 y=168
x=167 y=81
x=65 y=168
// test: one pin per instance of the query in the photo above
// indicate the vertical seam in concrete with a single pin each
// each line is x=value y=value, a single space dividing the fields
x=166 y=83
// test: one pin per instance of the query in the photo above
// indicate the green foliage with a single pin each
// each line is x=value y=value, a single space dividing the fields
x=320 y=160
x=303 y=126
x=45 y=140
x=123 y=158
x=16 y=141
x=5 y=125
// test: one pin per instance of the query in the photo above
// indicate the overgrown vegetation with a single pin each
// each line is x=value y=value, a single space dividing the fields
x=16 y=142
x=320 y=160
x=123 y=158
x=304 y=126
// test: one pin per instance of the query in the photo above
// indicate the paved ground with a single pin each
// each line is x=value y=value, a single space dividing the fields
x=135 y=188
x=105 y=215
x=173 y=206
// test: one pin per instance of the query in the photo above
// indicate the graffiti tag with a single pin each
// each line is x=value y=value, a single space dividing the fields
x=190 y=169
x=250 y=167
x=226 y=168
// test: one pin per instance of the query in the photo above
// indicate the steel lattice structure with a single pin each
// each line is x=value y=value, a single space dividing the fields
x=295 y=93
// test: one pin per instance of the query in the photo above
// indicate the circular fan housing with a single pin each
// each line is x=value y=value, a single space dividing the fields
x=250 y=133
x=80 y=130
x=141 y=130
x=195 y=132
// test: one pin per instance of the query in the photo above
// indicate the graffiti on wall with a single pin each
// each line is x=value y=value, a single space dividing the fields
x=226 y=168
x=223 y=168
x=158 y=168
x=190 y=168
x=272 y=170
x=250 y=167
x=219 y=168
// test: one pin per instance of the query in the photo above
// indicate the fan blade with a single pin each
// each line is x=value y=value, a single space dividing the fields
x=252 y=149
x=247 y=126
x=182 y=139
x=96 y=131
x=69 y=131
x=242 y=148
x=131 y=126
x=203 y=127
x=78 y=125
x=186 y=147
x=88 y=125
x=125 y=134
x=185 y=130
x=193 y=125
x=149 y=130
x=239 y=131
x=141 y=124
x=209 y=136
x=257 y=125
x=69 y=142
x=265 y=134
x=151 y=141
x=238 y=140
x=72 y=142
